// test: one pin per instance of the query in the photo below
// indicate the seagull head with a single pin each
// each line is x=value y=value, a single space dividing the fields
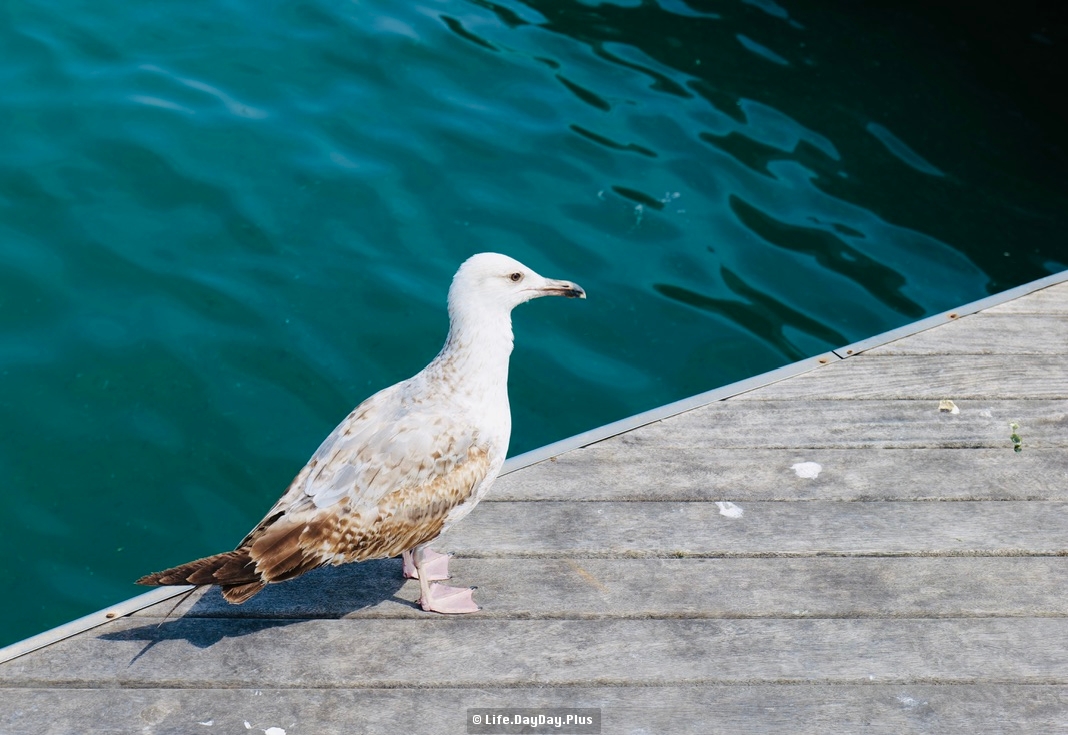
x=491 y=281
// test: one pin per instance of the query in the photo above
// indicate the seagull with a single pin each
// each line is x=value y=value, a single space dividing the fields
x=405 y=465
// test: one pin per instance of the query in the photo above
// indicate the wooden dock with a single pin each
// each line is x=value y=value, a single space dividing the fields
x=818 y=550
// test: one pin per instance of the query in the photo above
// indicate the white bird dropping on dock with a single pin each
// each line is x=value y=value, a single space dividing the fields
x=729 y=509
x=807 y=470
x=406 y=464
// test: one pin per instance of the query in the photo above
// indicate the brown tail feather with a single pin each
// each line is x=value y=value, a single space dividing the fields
x=238 y=593
x=234 y=571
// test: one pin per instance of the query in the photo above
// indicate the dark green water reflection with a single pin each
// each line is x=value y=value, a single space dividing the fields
x=223 y=225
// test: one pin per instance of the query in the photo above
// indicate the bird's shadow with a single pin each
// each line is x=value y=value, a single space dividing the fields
x=322 y=594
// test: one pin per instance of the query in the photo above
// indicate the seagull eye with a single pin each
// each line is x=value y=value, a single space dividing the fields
x=516 y=277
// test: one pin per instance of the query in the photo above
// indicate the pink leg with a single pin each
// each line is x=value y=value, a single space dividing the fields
x=439 y=598
x=435 y=565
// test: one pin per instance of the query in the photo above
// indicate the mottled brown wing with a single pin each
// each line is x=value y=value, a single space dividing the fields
x=392 y=440
x=291 y=543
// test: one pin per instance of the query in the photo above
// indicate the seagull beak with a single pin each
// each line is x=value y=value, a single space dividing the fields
x=561 y=288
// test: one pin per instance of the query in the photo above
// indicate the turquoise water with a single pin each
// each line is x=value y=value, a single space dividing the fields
x=223 y=225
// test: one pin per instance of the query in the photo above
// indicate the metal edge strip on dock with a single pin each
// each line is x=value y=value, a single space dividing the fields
x=92 y=620
x=950 y=315
x=585 y=439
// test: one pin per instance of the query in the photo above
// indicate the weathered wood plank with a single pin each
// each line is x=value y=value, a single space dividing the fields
x=639 y=468
x=926 y=377
x=880 y=709
x=822 y=587
x=743 y=423
x=987 y=333
x=607 y=529
x=665 y=529
x=1051 y=300
x=469 y=652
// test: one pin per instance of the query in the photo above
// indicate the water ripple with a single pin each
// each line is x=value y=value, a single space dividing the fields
x=760 y=312
x=902 y=151
x=234 y=107
x=590 y=98
x=760 y=50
